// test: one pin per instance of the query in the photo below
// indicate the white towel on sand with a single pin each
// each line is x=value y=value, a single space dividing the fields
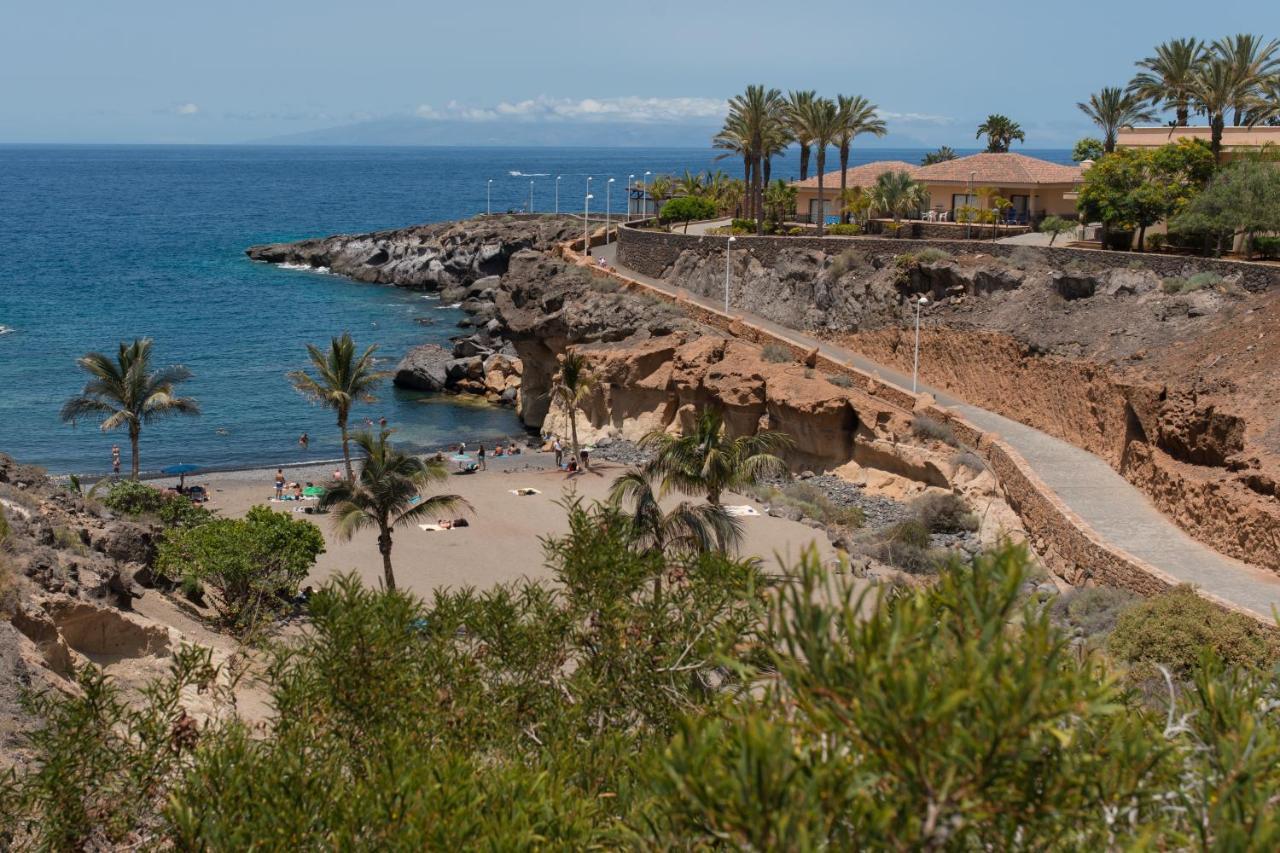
x=432 y=527
x=741 y=510
x=524 y=492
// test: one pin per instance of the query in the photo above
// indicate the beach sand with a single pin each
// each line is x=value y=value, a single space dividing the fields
x=502 y=543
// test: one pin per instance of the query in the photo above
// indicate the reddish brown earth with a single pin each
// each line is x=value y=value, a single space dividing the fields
x=1178 y=392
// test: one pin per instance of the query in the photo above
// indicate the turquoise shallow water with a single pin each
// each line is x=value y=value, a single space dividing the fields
x=98 y=244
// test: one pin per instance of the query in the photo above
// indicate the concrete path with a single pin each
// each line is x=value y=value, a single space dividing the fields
x=1119 y=513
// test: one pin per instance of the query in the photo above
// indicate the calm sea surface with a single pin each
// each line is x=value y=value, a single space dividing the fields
x=100 y=244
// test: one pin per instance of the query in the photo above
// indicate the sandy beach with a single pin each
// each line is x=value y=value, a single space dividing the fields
x=503 y=540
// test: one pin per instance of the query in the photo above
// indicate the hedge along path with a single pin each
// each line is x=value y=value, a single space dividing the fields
x=1106 y=532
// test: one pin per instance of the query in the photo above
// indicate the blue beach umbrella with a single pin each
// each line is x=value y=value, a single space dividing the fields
x=182 y=469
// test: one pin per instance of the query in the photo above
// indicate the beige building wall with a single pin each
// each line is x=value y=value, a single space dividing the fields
x=1046 y=200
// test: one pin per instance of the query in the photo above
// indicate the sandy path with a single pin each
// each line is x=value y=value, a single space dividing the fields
x=503 y=542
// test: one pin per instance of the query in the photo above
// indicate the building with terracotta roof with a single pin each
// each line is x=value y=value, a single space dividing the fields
x=1035 y=188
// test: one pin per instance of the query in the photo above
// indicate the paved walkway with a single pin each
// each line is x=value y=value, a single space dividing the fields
x=1120 y=513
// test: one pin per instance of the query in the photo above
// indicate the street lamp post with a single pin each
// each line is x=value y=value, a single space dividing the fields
x=608 y=189
x=488 y=198
x=631 y=183
x=644 y=204
x=586 y=225
x=531 y=196
x=915 y=364
x=728 y=249
x=558 y=177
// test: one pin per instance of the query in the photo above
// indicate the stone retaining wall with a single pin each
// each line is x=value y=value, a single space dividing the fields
x=1070 y=547
x=653 y=252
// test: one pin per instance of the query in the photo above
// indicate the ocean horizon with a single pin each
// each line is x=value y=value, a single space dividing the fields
x=105 y=243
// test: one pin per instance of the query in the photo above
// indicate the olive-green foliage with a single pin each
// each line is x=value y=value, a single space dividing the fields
x=1055 y=226
x=1172 y=628
x=1093 y=610
x=944 y=512
x=253 y=564
x=686 y=209
x=923 y=426
x=138 y=500
x=813 y=502
x=4 y=526
x=843 y=263
x=844 y=229
x=777 y=353
x=840 y=380
x=1190 y=284
x=603 y=710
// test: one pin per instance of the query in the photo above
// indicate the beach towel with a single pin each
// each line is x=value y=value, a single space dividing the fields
x=524 y=492
x=431 y=528
x=739 y=511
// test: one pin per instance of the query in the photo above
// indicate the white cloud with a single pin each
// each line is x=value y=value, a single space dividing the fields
x=623 y=109
x=187 y=109
x=915 y=118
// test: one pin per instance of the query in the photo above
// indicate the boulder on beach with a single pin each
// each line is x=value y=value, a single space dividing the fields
x=424 y=368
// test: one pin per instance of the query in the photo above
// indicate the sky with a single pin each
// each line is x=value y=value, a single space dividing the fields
x=554 y=72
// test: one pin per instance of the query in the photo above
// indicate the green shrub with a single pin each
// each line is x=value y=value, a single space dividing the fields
x=1173 y=628
x=923 y=426
x=945 y=513
x=1267 y=247
x=1198 y=281
x=1092 y=609
x=840 y=380
x=777 y=353
x=1157 y=242
x=815 y=504
x=1056 y=226
x=4 y=526
x=254 y=564
x=604 y=284
x=932 y=255
x=748 y=226
x=138 y=500
x=844 y=229
x=797 y=231
x=843 y=263
x=913 y=533
x=687 y=208
x=906 y=546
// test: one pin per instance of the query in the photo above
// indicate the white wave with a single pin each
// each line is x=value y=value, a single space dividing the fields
x=447 y=307
x=5 y=330
x=515 y=173
x=432 y=296
x=304 y=268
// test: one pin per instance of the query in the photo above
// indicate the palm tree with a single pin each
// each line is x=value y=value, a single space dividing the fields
x=1217 y=88
x=659 y=191
x=1000 y=131
x=386 y=495
x=821 y=120
x=342 y=379
x=572 y=385
x=1167 y=76
x=690 y=184
x=797 y=103
x=1254 y=62
x=734 y=139
x=707 y=462
x=688 y=528
x=756 y=116
x=779 y=201
x=897 y=194
x=942 y=155
x=857 y=116
x=125 y=391
x=856 y=202
x=1113 y=109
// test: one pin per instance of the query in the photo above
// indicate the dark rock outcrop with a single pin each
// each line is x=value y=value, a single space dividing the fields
x=424 y=368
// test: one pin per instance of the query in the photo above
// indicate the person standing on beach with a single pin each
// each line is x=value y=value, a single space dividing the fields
x=559 y=450
x=279 y=483
x=480 y=455
x=115 y=460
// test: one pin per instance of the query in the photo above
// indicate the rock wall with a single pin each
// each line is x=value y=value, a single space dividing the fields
x=654 y=253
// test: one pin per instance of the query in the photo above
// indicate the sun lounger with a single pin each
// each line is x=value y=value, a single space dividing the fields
x=524 y=492
x=432 y=528
x=740 y=511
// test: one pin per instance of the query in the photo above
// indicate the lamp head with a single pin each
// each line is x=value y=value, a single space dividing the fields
x=923 y=301
x=590 y=196
x=611 y=180
x=733 y=239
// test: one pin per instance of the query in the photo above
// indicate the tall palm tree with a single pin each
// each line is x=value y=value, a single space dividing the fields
x=857 y=117
x=1166 y=78
x=386 y=495
x=797 y=103
x=1114 y=109
x=821 y=119
x=126 y=392
x=572 y=385
x=707 y=462
x=1254 y=62
x=775 y=143
x=897 y=194
x=856 y=202
x=779 y=201
x=757 y=114
x=1219 y=87
x=1000 y=131
x=341 y=380
x=688 y=528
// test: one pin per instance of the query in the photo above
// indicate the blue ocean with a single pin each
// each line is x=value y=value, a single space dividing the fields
x=100 y=244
